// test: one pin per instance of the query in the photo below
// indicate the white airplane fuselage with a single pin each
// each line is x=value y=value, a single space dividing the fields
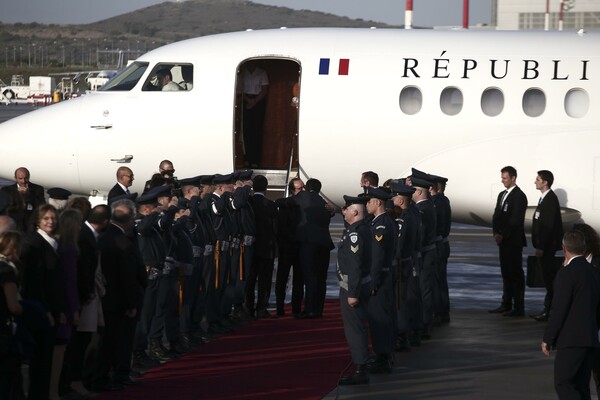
x=359 y=109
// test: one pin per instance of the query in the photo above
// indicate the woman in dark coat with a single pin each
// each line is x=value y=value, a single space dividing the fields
x=42 y=283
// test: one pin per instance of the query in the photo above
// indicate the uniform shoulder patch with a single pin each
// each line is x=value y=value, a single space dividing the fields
x=353 y=237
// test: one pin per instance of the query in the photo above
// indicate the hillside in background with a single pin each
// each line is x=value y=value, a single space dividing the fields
x=37 y=49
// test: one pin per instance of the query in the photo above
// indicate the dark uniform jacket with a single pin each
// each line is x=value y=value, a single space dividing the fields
x=428 y=224
x=220 y=216
x=546 y=230
x=575 y=312
x=150 y=242
x=354 y=257
x=383 y=247
x=508 y=219
x=20 y=208
x=443 y=213
x=240 y=202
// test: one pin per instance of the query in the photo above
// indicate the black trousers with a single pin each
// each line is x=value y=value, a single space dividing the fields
x=356 y=324
x=261 y=272
x=382 y=317
x=549 y=269
x=314 y=259
x=254 y=119
x=572 y=370
x=288 y=258
x=513 y=278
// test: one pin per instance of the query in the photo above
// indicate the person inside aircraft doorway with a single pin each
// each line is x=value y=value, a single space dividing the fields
x=255 y=90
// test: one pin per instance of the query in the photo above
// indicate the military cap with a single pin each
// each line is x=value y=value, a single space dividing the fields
x=377 y=193
x=206 y=179
x=195 y=181
x=245 y=175
x=4 y=200
x=154 y=193
x=419 y=182
x=401 y=189
x=438 y=179
x=355 y=200
x=222 y=179
x=415 y=173
x=59 y=193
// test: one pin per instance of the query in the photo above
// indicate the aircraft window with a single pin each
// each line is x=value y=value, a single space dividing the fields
x=411 y=100
x=451 y=101
x=534 y=102
x=126 y=79
x=577 y=103
x=492 y=102
x=169 y=77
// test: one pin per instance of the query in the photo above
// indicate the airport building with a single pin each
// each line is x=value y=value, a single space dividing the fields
x=530 y=14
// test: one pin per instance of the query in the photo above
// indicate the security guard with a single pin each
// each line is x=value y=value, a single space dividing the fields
x=407 y=277
x=353 y=271
x=382 y=312
x=429 y=286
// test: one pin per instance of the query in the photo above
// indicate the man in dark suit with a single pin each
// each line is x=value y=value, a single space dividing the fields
x=265 y=248
x=315 y=244
x=546 y=235
x=124 y=181
x=118 y=262
x=509 y=232
x=574 y=319
x=24 y=197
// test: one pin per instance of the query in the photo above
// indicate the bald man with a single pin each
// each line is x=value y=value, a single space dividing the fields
x=124 y=181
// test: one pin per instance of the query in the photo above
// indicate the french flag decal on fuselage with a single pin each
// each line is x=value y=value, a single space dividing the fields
x=343 y=66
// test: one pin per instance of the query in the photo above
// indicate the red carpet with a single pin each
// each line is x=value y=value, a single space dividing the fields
x=280 y=358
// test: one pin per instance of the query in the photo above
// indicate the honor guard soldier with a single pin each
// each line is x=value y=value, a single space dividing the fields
x=244 y=215
x=194 y=303
x=444 y=222
x=150 y=224
x=407 y=277
x=58 y=197
x=429 y=239
x=382 y=311
x=221 y=221
x=353 y=271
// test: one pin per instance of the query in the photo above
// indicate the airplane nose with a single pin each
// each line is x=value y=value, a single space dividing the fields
x=42 y=141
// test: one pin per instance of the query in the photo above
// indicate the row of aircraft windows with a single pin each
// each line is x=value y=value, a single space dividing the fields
x=577 y=101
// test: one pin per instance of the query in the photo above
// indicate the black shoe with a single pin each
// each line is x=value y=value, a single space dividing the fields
x=514 y=313
x=308 y=316
x=359 y=377
x=402 y=343
x=280 y=312
x=142 y=361
x=178 y=347
x=543 y=317
x=499 y=310
x=380 y=364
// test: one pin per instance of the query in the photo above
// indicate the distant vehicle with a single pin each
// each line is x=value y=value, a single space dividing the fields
x=461 y=104
x=96 y=81
x=39 y=90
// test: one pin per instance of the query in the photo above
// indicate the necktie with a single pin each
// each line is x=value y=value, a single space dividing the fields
x=127 y=191
x=504 y=196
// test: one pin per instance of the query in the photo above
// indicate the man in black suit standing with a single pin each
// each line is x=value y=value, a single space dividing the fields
x=124 y=181
x=265 y=248
x=574 y=318
x=546 y=235
x=509 y=232
x=24 y=197
x=118 y=262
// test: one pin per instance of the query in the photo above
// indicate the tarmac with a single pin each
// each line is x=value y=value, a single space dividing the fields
x=478 y=356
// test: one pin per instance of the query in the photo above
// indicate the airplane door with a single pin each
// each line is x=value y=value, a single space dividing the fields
x=279 y=133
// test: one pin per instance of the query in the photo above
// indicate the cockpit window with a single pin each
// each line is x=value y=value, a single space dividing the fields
x=126 y=79
x=169 y=77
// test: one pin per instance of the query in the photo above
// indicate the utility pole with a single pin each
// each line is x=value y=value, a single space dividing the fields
x=408 y=14
x=465 y=14
x=547 y=16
